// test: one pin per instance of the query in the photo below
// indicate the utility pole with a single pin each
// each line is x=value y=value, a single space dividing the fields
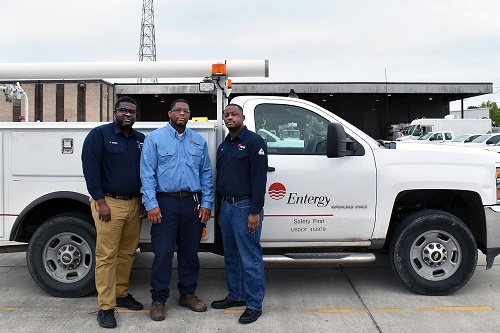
x=147 y=51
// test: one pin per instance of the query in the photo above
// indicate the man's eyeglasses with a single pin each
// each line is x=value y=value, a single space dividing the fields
x=181 y=110
x=123 y=110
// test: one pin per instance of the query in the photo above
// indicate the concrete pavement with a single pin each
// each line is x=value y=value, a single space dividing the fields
x=311 y=298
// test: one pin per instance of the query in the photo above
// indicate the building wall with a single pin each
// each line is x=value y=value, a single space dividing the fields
x=70 y=101
x=6 y=110
x=93 y=102
x=366 y=105
x=49 y=102
x=76 y=101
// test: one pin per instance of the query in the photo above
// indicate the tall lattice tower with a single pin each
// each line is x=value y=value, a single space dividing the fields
x=147 y=51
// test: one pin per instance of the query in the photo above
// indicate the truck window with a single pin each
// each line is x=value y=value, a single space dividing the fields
x=291 y=130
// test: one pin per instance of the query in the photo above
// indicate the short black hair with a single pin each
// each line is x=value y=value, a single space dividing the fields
x=236 y=105
x=179 y=100
x=125 y=99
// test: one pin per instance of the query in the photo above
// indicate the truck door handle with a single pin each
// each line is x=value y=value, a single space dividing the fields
x=270 y=169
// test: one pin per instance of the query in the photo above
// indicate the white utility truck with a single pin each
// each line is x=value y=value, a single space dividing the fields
x=458 y=127
x=341 y=197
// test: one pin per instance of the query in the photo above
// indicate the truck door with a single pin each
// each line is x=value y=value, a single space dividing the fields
x=311 y=197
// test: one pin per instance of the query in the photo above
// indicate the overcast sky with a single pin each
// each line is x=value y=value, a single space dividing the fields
x=305 y=41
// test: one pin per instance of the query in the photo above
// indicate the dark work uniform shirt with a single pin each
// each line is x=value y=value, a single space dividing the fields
x=111 y=160
x=242 y=168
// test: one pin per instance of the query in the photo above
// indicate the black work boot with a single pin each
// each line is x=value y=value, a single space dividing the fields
x=106 y=318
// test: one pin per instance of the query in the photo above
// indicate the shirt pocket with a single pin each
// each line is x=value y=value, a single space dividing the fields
x=240 y=153
x=220 y=154
x=114 y=155
x=114 y=148
x=195 y=154
x=166 y=157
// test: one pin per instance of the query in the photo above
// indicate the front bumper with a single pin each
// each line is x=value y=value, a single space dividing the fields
x=492 y=214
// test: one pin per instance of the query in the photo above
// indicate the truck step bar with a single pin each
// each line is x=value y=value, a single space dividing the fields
x=324 y=258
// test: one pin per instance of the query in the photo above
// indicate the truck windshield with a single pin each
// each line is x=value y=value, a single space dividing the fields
x=481 y=138
x=461 y=138
x=410 y=129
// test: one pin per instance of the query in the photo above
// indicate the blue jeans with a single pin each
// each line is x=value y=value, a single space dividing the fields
x=179 y=225
x=242 y=255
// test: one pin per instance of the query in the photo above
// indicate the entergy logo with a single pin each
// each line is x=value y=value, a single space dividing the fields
x=277 y=191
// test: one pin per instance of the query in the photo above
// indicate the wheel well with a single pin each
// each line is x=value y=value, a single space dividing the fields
x=46 y=207
x=465 y=205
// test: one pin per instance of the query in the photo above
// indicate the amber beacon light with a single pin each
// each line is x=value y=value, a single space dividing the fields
x=219 y=69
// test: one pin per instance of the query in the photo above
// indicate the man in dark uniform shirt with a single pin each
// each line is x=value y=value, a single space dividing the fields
x=110 y=160
x=241 y=186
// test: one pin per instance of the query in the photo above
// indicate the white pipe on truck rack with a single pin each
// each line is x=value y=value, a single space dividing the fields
x=158 y=69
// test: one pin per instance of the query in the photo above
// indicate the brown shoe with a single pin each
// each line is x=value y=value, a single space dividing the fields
x=157 y=311
x=192 y=302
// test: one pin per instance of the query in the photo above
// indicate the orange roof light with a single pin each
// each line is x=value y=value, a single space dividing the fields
x=218 y=69
x=229 y=84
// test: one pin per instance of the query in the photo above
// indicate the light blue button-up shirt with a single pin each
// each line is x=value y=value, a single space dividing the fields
x=170 y=164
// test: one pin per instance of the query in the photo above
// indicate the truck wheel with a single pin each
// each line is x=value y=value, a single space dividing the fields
x=433 y=252
x=61 y=256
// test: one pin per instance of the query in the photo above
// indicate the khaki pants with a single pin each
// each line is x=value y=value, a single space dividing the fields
x=117 y=241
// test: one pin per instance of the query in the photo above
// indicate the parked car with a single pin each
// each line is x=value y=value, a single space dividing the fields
x=495 y=148
x=483 y=141
x=466 y=138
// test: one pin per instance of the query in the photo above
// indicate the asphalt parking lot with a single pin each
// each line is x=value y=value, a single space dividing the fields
x=312 y=298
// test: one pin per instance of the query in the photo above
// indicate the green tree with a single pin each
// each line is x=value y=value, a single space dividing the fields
x=494 y=111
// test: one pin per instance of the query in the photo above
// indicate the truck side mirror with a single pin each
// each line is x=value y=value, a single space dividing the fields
x=337 y=142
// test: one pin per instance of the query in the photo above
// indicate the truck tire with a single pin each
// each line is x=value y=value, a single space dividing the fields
x=61 y=256
x=433 y=252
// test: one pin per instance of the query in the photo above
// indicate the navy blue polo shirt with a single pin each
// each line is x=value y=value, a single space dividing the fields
x=242 y=168
x=111 y=160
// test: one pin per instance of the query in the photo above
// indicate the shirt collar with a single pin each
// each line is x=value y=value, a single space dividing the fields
x=240 y=136
x=172 y=131
x=117 y=130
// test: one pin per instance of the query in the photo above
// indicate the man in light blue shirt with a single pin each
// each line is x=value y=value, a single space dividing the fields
x=177 y=190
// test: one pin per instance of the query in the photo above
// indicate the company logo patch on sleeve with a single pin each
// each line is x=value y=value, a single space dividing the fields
x=261 y=152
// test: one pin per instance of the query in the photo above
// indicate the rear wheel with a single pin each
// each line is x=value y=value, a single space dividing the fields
x=433 y=252
x=61 y=256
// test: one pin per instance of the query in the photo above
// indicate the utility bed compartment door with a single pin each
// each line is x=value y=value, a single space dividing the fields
x=41 y=153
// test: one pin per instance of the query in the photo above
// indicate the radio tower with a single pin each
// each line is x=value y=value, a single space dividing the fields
x=147 y=51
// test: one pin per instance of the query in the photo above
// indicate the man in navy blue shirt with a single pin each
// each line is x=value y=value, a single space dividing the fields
x=110 y=160
x=241 y=186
